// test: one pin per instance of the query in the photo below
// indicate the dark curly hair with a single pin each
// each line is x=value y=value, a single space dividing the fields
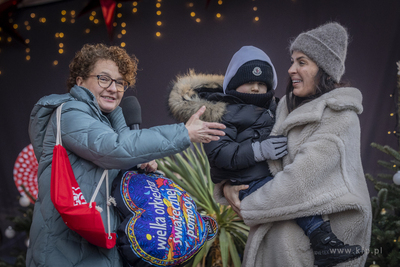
x=85 y=59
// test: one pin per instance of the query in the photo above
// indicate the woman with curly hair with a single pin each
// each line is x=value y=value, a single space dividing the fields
x=96 y=137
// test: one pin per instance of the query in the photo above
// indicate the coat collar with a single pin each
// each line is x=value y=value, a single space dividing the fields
x=345 y=98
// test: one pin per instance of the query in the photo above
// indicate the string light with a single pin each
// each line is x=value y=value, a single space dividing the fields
x=63 y=12
x=190 y=4
x=220 y=2
x=159 y=23
x=28 y=57
x=218 y=15
x=72 y=12
x=61 y=45
x=123 y=24
x=93 y=13
x=119 y=5
x=96 y=21
x=158 y=13
x=256 y=18
x=27 y=41
x=134 y=10
x=115 y=24
x=87 y=30
x=134 y=3
x=255 y=8
x=123 y=32
x=33 y=15
x=27 y=50
x=63 y=19
x=119 y=15
x=55 y=62
x=198 y=20
x=158 y=34
x=42 y=20
x=119 y=36
x=123 y=44
x=15 y=26
x=60 y=50
x=192 y=14
x=61 y=35
x=9 y=39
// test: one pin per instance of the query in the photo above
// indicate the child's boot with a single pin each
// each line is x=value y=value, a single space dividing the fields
x=329 y=250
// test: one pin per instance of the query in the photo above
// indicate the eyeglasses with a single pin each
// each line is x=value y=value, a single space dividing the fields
x=106 y=81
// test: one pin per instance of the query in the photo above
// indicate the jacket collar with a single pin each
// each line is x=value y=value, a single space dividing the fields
x=345 y=98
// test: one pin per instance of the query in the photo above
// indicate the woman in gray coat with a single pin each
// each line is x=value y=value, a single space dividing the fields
x=322 y=173
x=96 y=137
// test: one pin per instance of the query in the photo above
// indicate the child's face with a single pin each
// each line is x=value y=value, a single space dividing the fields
x=252 y=88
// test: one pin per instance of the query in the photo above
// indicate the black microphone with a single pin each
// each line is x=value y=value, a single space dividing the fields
x=132 y=112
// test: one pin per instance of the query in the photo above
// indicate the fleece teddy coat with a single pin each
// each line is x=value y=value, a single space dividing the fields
x=94 y=141
x=322 y=174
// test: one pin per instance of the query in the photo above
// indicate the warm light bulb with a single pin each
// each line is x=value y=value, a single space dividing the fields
x=33 y=15
x=9 y=39
x=61 y=45
x=220 y=2
x=134 y=10
x=28 y=28
x=119 y=36
x=27 y=50
x=55 y=62
x=60 y=51
x=119 y=15
x=389 y=132
x=119 y=5
x=28 y=57
x=72 y=21
x=96 y=21
x=391 y=114
x=63 y=12
x=15 y=26
x=63 y=19
x=255 y=8
x=43 y=20
x=123 y=44
x=123 y=31
x=87 y=30
x=26 y=23
x=91 y=18
x=192 y=14
x=123 y=24
x=190 y=4
x=27 y=41
x=158 y=34
x=158 y=5
x=115 y=24
x=158 y=12
x=159 y=23
x=218 y=15
x=256 y=18
x=61 y=35
x=134 y=3
x=198 y=20
x=72 y=12
x=93 y=13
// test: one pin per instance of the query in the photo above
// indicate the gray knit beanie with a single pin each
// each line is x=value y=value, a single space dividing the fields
x=326 y=46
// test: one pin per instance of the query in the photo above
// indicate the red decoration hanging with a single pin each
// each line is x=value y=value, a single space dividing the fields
x=25 y=172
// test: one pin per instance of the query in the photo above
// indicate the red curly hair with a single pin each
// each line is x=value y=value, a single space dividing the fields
x=85 y=59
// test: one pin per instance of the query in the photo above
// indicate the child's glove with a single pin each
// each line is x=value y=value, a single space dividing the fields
x=274 y=147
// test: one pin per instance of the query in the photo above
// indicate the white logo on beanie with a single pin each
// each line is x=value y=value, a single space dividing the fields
x=257 y=71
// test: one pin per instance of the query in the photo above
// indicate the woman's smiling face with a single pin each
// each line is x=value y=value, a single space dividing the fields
x=302 y=73
x=107 y=99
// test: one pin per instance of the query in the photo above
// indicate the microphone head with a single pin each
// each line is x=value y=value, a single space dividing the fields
x=131 y=110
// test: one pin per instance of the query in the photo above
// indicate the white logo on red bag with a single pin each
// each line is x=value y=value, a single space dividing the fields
x=79 y=199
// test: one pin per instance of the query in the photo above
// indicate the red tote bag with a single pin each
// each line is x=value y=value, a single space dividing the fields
x=66 y=195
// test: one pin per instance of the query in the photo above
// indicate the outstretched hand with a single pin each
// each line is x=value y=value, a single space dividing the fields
x=201 y=131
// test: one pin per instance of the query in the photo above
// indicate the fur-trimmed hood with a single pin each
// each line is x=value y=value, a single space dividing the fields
x=184 y=100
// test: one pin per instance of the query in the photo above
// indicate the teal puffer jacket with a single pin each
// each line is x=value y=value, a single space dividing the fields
x=94 y=142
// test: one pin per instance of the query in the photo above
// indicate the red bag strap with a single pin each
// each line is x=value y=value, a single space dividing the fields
x=104 y=175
